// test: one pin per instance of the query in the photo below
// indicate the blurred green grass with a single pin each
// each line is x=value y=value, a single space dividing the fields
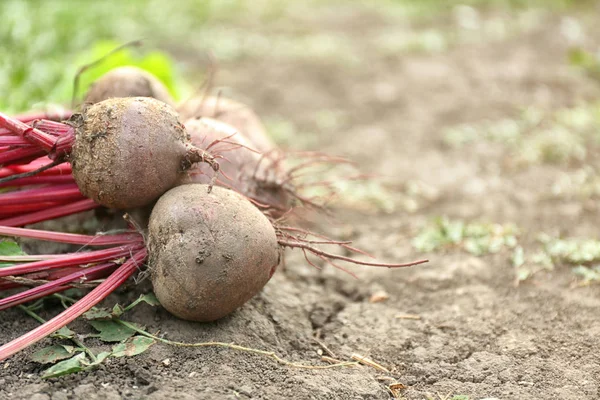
x=44 y=42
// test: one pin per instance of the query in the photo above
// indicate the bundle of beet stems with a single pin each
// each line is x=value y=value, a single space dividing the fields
x=211 y=198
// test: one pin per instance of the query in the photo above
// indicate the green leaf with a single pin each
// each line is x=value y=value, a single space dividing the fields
x=111 y=331
x=98 y=314
x=117 y=311
x=518 y=258
x=476 y=238
x=9 y=248
x=148 y=298
x=135 y=346
x=583 y=59
x=587 y=274
x=101 y=357
x=159 y=64
x=523 y=274
x=72 y=365
x=63 y=333
x=52 y=354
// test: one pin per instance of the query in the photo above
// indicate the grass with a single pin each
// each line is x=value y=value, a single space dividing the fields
x=479 y=239
x=473 y=237
x=465 y=25
x=43 y=42
x=581 y=254
x=582 y=184
x=537 y=136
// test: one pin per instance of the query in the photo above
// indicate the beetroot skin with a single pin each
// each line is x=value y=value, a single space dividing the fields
x=244 y=170
x=238 y=115
x=128 y=151
x=127 y=82
x=209 y=252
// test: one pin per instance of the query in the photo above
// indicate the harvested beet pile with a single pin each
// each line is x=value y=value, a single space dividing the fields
x=209 y=201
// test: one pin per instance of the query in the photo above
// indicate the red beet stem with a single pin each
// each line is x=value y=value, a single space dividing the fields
x=13 y=141
x=60 y=169
x=64 y=144
x=50 y=213
x=10 y=211
x=45 y=275
x=41 y=179
x=51 y=127
x=44 y=194
x=73 y=238
x=70 y=260
x=37 y=295
x=21 y=155
x=88 y=301
x=58 y=285
x=32 y=135
x=5 y=285
x=59 y=115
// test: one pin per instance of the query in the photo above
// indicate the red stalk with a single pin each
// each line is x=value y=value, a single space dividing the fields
x=38 y=180
x=88 y=301
x=5 y=285
x=34 y=136
x=35 y=296
x=13 y=141
x=21 y=155
x=10 y=211
x=56 y=116
x=51 y=127
x=44 y=275
x=60 y=169
x=73 y=238
x=45 y=194
x=58 y=285
x=50 y=213
x=70 y=260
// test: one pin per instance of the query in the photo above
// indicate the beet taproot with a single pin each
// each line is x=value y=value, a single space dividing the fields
x=242 y=168
x=127 y=81
x=209 y=252
x=128 y=151
x=238 y=115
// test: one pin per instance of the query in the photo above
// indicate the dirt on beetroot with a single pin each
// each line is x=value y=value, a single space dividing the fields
x=455 y=328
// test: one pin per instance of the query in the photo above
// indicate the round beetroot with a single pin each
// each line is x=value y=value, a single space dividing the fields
x=128 y=151
x=242 y=169
x=209 y=252
x=127 y=81
x=238 y=115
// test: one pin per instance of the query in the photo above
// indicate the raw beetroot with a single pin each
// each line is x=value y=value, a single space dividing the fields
x=127 y=81
x=242 y=168
x=125 y=152
x=209 y=252
x=128 y=151
x=238 y=115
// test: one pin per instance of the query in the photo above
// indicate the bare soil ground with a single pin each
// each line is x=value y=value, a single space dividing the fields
x=478 y=334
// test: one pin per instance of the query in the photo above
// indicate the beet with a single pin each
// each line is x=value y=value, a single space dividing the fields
x=209 y=252
x=129 y=151
x=238 y=115
x=127 y=81
x=242 y=169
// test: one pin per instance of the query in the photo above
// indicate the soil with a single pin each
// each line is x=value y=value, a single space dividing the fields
x=477 y=334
